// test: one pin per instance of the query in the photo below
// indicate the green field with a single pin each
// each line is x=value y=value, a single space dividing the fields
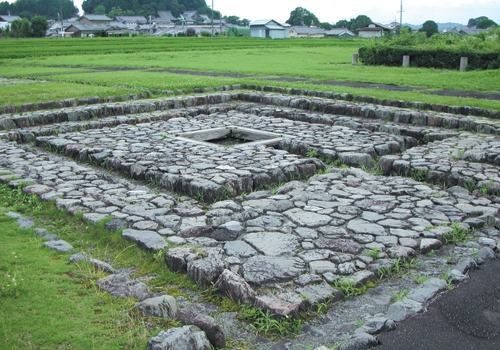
x=130 y=65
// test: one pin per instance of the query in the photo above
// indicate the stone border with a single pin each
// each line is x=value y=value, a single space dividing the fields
x=205 y=104
x=459 y=110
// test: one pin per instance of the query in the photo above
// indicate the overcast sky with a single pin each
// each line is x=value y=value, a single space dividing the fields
x=386 y=11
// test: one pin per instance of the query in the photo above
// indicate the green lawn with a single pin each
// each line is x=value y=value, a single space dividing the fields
x=266 y=61
x=47 y=303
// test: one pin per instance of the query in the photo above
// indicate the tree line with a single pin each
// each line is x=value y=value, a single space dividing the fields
x=50 y=9
x=147 y=7
x=24 y=28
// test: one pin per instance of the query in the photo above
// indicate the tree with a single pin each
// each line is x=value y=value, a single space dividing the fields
x=233 y=20
x=39 y=26
x=302 y=17
x=190 y=32
x=20 y=28
x=100 y=10
x=360 y=21
x=429 y=28
x=486 y=23
x=343 y=24
x=475 y=21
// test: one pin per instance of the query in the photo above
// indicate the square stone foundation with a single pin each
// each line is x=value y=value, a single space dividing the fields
x=231 y=136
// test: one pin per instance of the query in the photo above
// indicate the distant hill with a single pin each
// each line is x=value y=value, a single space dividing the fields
x=446 y=25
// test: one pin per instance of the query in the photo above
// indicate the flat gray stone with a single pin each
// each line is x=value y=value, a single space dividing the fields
x=428 y=244
x=273 y=243
x=360 y=226
x=60 y=246
x=320 y=293
x=403 y=309
x=163 y=306
x=360 y=341
x=339 y=245
x=185 y=338
x=25 y=223
x=239 y=249
x=322 y=266
x=122 y=286
x=277 y=306
x=427 y=290
x=213 y=331
x=235 y=287
x=149 y=240
x=307 y=218
x=267 y=269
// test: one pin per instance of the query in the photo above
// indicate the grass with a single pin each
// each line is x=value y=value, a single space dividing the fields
x=47 y=303
x=311 y=60
x=42 y=92
x=459 y=234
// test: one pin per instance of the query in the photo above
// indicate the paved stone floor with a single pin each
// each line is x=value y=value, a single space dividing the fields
x=290 y=225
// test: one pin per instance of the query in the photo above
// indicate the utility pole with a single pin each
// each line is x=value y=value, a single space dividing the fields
x=401 y=18
x=62 y=21
x=212 y=18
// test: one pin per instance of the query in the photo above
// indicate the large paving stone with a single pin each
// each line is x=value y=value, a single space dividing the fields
x=306 y=218
x=360 y=226
x=149 y=240
x=273 y=243
x=266 y=269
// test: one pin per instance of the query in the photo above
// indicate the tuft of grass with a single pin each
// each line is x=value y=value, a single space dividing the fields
x=268 y=324
x=459 y=234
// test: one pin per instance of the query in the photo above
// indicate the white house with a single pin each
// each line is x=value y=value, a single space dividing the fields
x=267 y=28
x=372 y=30
x=6 y=20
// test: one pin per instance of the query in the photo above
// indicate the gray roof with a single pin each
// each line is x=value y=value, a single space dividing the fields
x=97 y=17
x=166 y=16
x=339 y=31
x=118 y=25
x=84 y=28
x=268 y=23
x=378 y=27
x=6 y=18
x=307 y=30
x=131 y=19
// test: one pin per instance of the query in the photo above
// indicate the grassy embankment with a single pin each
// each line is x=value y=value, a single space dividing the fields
x=261 y=62
x=47 y=303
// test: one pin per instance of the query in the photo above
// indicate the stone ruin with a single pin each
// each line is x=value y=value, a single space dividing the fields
x=290 y=198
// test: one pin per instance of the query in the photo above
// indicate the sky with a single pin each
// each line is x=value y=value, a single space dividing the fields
x=385 y=11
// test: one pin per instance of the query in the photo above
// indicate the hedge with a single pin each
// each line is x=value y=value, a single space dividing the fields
x=438 y=58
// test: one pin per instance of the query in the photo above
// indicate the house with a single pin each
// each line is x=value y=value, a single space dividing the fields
x=95 y=21
x=190 y=17
x=463 y=31
x=306 y=32
x=118 y=29
x=267 y=28
x=343 y=33
x=164 y=18
x=6 y=20
x=131 y=21
x=372 y=30
x=78 y=30
x=56 y=28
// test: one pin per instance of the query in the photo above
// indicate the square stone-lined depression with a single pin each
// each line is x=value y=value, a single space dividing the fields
x=231 y=136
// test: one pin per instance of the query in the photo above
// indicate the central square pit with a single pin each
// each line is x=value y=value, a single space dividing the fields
x=231 y=136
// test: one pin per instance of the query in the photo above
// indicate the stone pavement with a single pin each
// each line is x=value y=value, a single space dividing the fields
x=277 y=226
